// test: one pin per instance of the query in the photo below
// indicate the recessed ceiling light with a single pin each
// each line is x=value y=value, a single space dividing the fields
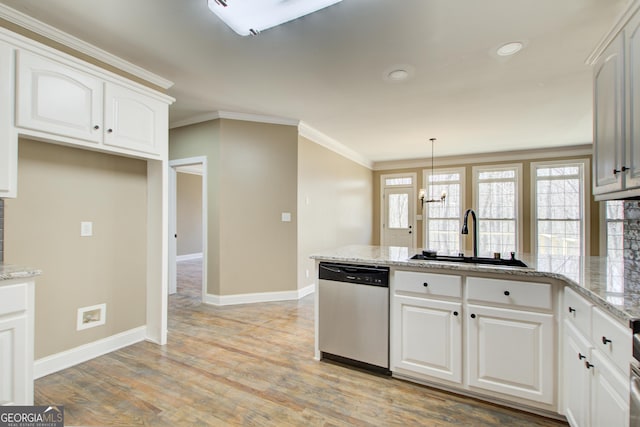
x=397 y=75
x=510 y=48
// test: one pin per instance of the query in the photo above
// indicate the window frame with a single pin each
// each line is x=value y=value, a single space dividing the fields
x=476 y=170
x=585 y=214
x=426 y=173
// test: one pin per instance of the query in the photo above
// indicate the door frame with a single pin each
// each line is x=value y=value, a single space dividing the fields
x=414 y=194
x=173 y=223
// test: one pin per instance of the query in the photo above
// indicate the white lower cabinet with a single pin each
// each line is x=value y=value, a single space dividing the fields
x=595 y=372
x=609 y=393
x=505 y=352
x=429 y=337
x=511 y=352
x=16 y=343
x=576 y=376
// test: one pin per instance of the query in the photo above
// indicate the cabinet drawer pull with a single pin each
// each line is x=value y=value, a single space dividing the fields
x=605 y=340
x=425 y=284
x=506 y=293
x=455 y=313
x=581 y=356
x=588 y=365
x=473 y=316
x=572 y=310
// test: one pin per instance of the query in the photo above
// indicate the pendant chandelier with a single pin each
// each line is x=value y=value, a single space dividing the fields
x=423 y=193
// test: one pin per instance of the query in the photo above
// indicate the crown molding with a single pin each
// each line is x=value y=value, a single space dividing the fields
x=45 y=30
x=618 y=25
x=231 y=115
x=478 y=158
x=321 y=139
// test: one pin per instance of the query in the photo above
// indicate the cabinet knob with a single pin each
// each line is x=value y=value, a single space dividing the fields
x=581 y=356
x=616 y=171
x=109 y=130
x=587 y=364
x=425 y=284
x=473 y=316
x=624 y=169
x=96 y=127
x=507 y=293
x=455 y=313
x=572 y=310
x=605 y=340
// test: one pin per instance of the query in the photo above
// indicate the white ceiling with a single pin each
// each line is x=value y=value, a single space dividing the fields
x=328 y=69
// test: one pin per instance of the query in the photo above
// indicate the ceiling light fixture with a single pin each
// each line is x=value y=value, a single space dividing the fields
x=422 y=195
x=398 y=75
x=510 y=48
x=247 y=17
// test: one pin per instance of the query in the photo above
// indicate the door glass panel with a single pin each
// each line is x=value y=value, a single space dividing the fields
x=398 y=210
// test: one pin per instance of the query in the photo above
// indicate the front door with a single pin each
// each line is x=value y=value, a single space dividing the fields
x=398 y=217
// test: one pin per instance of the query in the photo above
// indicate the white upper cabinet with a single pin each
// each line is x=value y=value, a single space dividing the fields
x=608 y=119
x=55 y=99
x=134 y=121
x=8 y=145
x=632 y=45
x=58 y=99
x=616 y=145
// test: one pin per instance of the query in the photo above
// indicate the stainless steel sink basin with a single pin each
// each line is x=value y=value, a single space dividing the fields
x=512 y=262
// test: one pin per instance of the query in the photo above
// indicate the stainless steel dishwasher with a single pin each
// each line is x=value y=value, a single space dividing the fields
x=353 y=303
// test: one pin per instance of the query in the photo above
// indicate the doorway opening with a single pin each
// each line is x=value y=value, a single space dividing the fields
x=188 y=228
x=398 y=218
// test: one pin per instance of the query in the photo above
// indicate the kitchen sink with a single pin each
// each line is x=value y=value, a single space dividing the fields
x=511 y=262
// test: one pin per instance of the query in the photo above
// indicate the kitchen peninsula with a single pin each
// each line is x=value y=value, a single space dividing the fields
x=536 y=338
x=16 y=334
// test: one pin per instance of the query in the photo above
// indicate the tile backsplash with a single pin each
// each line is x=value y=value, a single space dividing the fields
x=632 y=236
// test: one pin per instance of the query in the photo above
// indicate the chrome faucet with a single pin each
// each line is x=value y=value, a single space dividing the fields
x=465 y=229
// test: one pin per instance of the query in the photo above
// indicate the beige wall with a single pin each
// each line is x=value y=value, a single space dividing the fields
x=592 y=232
x=58 y=188
x=252 y=180
x=189 y=213
x=334 y=204
x=203 y=139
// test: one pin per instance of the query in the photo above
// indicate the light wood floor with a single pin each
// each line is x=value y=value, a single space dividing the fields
x=249 y=365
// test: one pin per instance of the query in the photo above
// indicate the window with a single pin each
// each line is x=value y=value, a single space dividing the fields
x=559 y=216
x=442 y=221
x=614 y=220
x=497 y=201
x=614 y=216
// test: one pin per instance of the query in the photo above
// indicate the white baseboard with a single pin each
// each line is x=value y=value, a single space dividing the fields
x=59 y=361
x=188 y=257
x=259 y=297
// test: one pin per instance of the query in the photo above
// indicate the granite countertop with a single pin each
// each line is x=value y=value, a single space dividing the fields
x=604 y=281
x=9 y=272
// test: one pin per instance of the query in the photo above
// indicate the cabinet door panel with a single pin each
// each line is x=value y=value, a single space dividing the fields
x=609 y=394
x=54 y=98
x=511 y=352
x=13 y=358
x=134 y=121
x=576 y=352
x=608 y=120
x=632 y=32
x=8 y=144
x=427 y=337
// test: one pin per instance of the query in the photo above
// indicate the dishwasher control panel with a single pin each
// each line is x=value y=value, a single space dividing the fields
x=360 y=274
